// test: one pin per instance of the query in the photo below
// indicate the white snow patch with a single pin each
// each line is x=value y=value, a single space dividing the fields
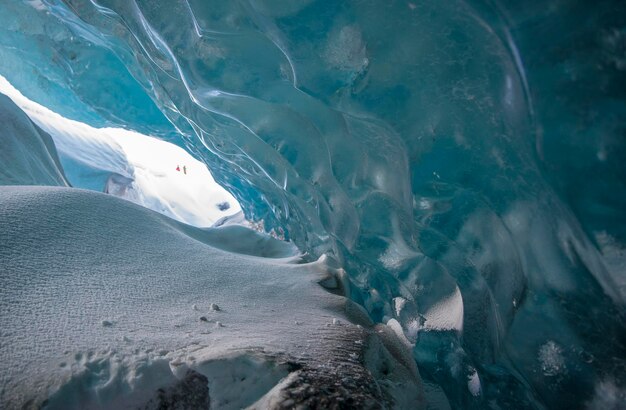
x=143 y=273
x=446 y=314
x=398 y=305
x=237 y=380
x=473 y=384
x=156 y=174
x=394 y=325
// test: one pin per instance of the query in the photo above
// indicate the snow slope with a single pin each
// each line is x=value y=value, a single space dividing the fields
x=105 y=304
x=133 y=166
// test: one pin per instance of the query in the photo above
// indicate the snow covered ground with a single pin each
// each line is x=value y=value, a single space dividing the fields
x=145 y=170
x=106 y=304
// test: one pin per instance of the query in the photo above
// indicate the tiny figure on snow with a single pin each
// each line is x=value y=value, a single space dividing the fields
x=177 y=168
x=185 y=169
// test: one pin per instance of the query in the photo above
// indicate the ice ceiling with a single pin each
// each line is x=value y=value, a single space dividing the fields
x=461 y=160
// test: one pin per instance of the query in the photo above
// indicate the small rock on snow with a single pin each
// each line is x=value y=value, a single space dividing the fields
x=214 y=307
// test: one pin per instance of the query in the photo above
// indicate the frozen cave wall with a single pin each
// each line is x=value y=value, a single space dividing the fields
x=459 y=159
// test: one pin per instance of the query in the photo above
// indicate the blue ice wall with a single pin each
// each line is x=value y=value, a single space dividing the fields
x=575 y=61
x=59 y=67
x=434 y=149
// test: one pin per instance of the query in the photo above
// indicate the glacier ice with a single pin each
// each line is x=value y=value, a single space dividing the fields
x=461 y=163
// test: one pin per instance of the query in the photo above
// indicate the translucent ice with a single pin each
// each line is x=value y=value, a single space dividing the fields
x=457 y=160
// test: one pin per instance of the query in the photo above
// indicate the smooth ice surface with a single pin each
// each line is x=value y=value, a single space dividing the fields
x=462 y=161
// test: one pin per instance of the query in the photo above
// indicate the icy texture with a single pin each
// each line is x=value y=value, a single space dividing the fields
x=453 y=157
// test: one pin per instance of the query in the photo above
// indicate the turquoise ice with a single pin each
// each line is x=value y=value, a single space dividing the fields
x=461 y=161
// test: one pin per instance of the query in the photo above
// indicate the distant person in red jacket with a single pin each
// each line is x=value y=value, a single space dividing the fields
x=177 y=168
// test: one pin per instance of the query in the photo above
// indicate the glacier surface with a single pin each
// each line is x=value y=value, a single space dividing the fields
x=461 y=161
x=147 y=171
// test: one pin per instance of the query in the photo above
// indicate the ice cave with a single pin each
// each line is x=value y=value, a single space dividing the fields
x=312 y=204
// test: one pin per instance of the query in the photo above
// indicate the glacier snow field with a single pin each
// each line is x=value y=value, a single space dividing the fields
x=105 y=302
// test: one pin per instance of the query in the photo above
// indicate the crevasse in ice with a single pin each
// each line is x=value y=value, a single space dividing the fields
x=462 y=161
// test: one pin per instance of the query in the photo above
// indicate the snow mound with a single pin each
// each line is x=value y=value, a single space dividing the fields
x=102 y=301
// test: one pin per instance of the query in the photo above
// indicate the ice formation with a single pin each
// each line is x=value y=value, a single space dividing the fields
x=457 y=166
